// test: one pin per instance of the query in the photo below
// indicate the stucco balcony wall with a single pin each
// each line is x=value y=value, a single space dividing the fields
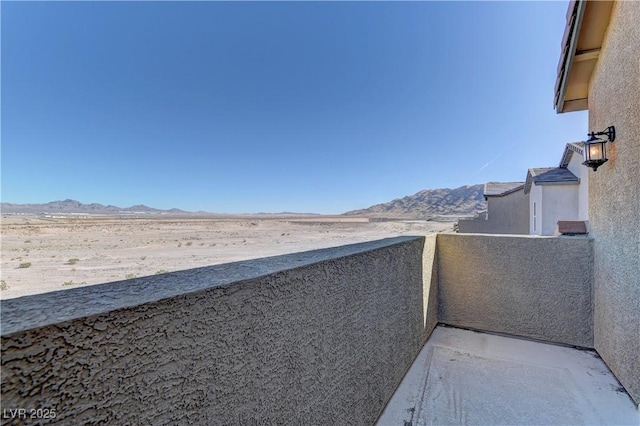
x=321 y=337
x=534 y=287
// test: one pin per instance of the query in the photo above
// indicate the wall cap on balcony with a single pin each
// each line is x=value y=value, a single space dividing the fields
x=29 y=312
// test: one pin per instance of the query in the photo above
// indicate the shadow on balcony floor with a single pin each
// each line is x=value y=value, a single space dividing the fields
x=467 y=377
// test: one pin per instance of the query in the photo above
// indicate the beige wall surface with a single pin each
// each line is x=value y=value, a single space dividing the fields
x=536 y=287
x=320 y=337
x=430 y=273
x=614 y=198
x=510 y=213
x=506 y=215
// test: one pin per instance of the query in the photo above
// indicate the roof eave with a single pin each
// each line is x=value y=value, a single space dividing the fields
x=568 y=55
x=510 y=191
x=557 y=182
x=527 y=183
x=569 y=150
x=585 y=32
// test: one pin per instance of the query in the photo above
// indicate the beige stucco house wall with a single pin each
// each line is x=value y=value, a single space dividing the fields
x=507 y=211
x=604 y=51
x=614 y=194
x=510 y=213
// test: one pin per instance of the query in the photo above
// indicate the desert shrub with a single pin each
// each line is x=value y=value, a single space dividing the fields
x=73 y=283
x=160 y=271
x=130 y=276
x=73 y=261
x=24 y=265
x=3 y=285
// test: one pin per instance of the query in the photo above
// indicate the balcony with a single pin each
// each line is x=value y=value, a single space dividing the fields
x=467 y=377
x=323 y=337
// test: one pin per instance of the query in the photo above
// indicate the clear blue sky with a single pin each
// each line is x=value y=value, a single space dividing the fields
x=275 y=106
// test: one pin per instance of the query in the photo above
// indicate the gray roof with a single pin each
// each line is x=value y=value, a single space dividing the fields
x=500 y=189
x=549 y=176
x=569 y=150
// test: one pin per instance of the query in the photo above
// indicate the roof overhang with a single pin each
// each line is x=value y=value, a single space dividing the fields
x=530 y=182
x=511 y=191
x=553 y=183
x=569 y=150
x=549 y=176
x=506 y=188
x=587 y=23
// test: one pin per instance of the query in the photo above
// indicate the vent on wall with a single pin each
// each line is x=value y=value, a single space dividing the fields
x=572 y=227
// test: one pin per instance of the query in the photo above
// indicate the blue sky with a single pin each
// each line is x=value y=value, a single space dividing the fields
x=275 y=106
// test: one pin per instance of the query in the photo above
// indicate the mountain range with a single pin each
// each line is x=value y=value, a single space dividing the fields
x=72 y=206
x=464 y=200
x=425 y=204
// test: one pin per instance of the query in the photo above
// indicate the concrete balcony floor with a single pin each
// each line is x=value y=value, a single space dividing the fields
x=467 y=377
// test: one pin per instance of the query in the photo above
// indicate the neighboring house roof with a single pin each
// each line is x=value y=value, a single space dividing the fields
x=549 y=176
x=569 y=150
x=587 y=23
x=500 y=189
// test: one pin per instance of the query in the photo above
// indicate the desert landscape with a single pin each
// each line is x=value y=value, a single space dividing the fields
x=42 y=253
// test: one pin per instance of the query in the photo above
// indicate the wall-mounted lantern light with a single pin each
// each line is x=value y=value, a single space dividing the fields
x=595 y=149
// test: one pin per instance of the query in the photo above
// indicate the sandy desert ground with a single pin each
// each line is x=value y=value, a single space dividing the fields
x=42 y=254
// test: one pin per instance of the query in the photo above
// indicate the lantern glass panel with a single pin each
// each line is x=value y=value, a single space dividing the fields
x=595 y=151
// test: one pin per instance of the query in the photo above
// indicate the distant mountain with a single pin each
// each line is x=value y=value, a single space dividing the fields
x=73 y=206
x=427 y=203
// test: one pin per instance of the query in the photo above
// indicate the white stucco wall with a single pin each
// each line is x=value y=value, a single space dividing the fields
x=550 y=203
x=535 y=210
x=560 y=202
x=582 y=172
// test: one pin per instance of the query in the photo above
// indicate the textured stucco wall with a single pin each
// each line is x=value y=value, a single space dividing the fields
x=506 y=215
x=321 y=337
x=466 y=226
x=510 y=214
x=536 y=287
x=430 y=283
x=614 y=198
